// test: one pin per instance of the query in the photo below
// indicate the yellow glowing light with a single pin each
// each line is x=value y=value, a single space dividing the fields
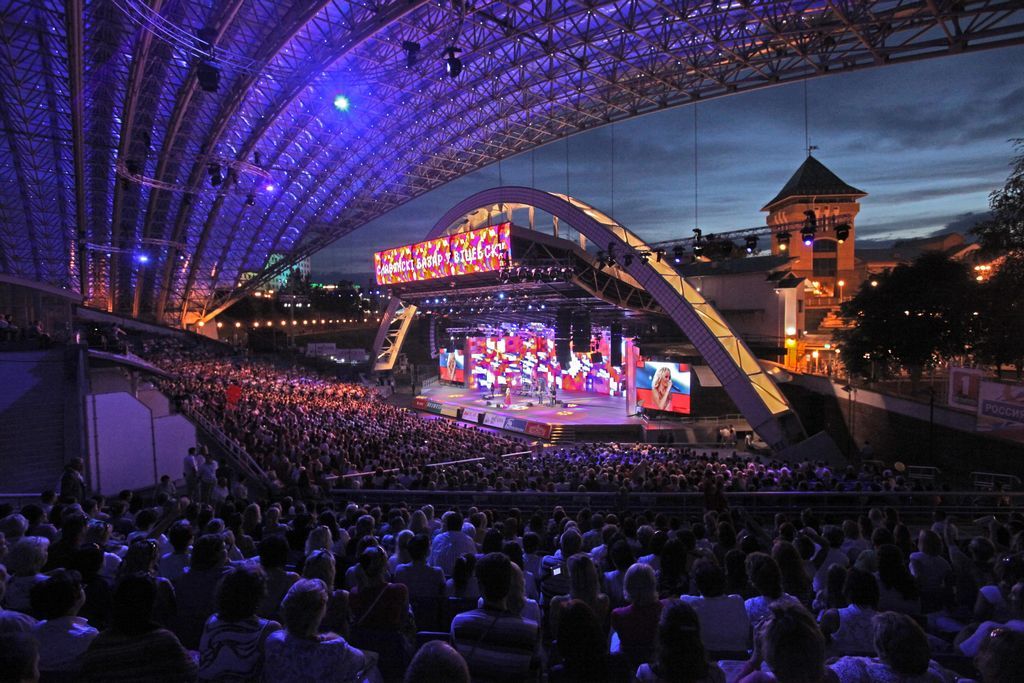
x=219 y=324
x=842 y=283
x=814 y=354
x=201 y=324
x=790 y=343
x=790 y=331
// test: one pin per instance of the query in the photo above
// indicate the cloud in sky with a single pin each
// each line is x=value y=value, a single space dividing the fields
x=927 y=141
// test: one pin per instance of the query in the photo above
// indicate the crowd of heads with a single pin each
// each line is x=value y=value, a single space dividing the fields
x=590 y=595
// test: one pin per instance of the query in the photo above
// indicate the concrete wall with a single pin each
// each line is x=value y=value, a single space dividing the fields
x=899 y=430
x=128 y=447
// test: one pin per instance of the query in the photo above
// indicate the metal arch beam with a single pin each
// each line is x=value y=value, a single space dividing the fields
x=358 y=36
x=750 y=387
x=391 y=334
x=217 y=130
x=74 y=11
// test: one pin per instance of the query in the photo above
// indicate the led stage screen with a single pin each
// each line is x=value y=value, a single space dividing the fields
x=663 y=386
x=476 y=251
x=452 y=365
x=528 y=359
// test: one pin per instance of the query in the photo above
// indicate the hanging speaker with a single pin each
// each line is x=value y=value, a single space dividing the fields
x=615 y=356
x=563 y=326
x=581 y=330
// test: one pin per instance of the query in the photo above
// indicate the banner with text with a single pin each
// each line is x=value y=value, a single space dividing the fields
x=464 y=253
x=1001 y=408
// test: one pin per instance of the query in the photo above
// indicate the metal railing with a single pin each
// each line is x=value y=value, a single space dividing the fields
x=913 y=506
x=238 y=456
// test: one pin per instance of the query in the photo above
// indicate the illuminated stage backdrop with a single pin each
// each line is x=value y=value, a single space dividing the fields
x=452 y=365
x=529 y=359
x=663 y=386
x=465 y=253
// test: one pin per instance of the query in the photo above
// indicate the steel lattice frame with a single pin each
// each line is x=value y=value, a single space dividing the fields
x=83 y=86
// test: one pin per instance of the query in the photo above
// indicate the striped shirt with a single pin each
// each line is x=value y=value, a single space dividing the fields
x=497 y=645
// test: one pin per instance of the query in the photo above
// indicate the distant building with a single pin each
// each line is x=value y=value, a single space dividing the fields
x=280 y=281
x=834 y=204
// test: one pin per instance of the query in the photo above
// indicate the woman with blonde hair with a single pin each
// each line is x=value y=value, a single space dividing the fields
x=661 y=389
x=584 y=585
x=318 y=539
x=320 y=564
x=25 y=562
x=301 y=653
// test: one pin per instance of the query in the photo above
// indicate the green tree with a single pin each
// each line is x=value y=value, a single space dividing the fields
x=1003 y=233
x=915 y=315
x=1000 y=309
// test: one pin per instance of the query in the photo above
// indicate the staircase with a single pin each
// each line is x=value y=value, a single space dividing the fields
x=563 y=434
x=34 y=437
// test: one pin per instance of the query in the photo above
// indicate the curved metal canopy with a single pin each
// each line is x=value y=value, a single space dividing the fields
x=110 y=141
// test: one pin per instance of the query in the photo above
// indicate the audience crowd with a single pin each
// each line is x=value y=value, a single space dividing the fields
x=223 y=581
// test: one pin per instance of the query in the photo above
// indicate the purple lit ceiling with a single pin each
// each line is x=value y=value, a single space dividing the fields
x=109 y=143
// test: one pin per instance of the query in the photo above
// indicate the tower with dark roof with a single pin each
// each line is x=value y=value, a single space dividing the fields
x=834 y=204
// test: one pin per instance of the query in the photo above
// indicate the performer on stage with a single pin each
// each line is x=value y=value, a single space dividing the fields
x=554 y=392
x=508 y=396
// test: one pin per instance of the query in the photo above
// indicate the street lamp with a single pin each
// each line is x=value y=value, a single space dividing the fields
x=841 y=283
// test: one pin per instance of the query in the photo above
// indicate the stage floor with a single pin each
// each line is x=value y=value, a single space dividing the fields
x=576 y=408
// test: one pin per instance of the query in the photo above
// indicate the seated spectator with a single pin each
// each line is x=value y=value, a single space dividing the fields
x=273 y=558
x=850 y=629
x=725 y=626
x=380 y=615
x=898 y=590
x=172 y=565
x=19 y=658
x=1000 y=657
x=142 y=556
x=679 y=653
x=792 y=647
x=300 y=653
x=554 y=571
x=994 y=602
x=11 y=620
x=99 y=532
x=233 y=641
x=195 y=588
x=581 y=647
x=830 y=553
x=673 y=574
x=933 y=573
x=497 y=645
x=451 y=543
x=853 y=542
x=622 y=558
x=63 y=635
x=635 y=626
x=463 y=583
x=135 y=648
x=401 y=554
x=99 y=591
x=517 y=602
x=795 y=579
x=422 y=580
x=321 y=565
x=583 y=586
x=437 y=661
x=72 y=536
x=766 y=578
x=25 y=563
x=736 y=580
x=902 y=654
x=38 y=524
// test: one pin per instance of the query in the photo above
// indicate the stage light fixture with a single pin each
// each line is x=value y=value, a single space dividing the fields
x=677 y=254
x=782 y=237
x=216 y=176
x=807 y=235
x=142 y=258
x=208 y=76
x=842 y=232
x=452 y=64
x=412 y=52
x=250 y=199
x=341 y=103
x=751 y=244
x=697 y=233
x=698 y=249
